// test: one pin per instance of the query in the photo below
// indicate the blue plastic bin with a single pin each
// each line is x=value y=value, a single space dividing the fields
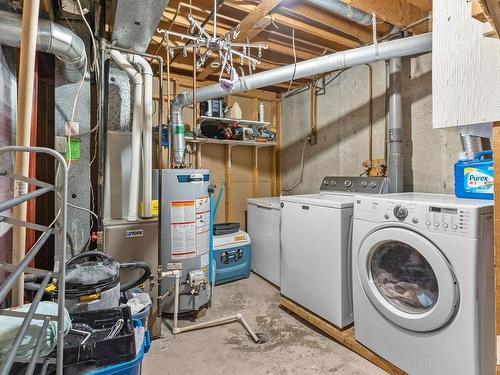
x=132 y=367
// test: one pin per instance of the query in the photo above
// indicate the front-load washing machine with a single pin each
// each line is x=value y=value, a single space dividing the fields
x=315 y=246
x=423 y=282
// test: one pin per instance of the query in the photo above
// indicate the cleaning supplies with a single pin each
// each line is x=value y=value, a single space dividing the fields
x=474 y=178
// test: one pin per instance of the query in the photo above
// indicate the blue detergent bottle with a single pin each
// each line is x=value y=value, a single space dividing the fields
x=474 y=178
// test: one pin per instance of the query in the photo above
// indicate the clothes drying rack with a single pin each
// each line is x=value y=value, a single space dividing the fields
x=58 y=229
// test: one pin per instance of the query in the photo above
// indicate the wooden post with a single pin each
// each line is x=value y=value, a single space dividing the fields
x=255 y=172
x=228 y=187
x=29 y=33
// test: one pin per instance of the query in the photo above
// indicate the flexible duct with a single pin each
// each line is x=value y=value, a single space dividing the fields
x=147 y=131
x=324 y=64
x=344 y=10
x=52 y=38
x=136 y=79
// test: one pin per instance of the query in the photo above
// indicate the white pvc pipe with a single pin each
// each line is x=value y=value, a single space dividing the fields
x=136 y=78
x=147 y=132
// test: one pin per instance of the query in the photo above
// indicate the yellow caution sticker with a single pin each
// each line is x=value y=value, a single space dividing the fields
x=51 y=288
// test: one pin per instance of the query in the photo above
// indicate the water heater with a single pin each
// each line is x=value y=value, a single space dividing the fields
x=186 y=236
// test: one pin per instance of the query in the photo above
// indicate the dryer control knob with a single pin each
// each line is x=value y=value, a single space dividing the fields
x=400 y=212
x=348 y=183
x=364 y=184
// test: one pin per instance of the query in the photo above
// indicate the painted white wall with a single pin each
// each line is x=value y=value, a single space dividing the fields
x=343 y=130
x=466 y=67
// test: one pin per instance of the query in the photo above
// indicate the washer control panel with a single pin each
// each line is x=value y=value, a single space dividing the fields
x=356 y=184
x=459 y=221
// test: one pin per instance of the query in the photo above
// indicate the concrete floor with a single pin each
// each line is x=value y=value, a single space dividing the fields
x=293 y=348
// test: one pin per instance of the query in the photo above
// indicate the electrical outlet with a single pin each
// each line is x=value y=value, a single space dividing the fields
x=72 y=129
x=313 y=137
x=60 y=144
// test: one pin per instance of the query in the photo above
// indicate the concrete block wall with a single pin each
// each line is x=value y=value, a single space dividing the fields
x=343 y=128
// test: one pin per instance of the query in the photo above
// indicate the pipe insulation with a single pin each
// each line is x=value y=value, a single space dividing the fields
x=395 y=128
x=344 y=10
x=51 y=38
x=341 y=60
x=137 y=117
x=147 y=132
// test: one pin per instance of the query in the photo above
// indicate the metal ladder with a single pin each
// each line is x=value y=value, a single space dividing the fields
x=17 y=270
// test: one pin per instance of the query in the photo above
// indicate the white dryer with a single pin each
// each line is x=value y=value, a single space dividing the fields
x=423 y=282
x=315 y=246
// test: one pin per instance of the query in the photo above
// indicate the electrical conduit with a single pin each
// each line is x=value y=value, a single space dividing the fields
x=324 y=64
x=137 y=116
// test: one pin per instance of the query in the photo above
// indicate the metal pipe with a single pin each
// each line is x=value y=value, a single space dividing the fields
x=344 y=10
x=340 y=60
x=40 y=339
x=395 y=136
x=25 y=34
x=8 y=204
x=30 y=255
x=7 y=362
x=51 y=38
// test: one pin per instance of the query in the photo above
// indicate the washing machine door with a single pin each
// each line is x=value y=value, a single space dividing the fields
x=407 y=279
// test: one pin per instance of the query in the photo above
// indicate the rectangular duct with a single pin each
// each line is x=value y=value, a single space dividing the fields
x=134 y=22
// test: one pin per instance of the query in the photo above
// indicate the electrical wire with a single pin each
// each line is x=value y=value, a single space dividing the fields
x=301 y=176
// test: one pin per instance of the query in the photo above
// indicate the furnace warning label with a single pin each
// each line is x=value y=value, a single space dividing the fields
x=183 y=229
x=203 y=225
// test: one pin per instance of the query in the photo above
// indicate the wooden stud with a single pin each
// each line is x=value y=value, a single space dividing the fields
x=274 y=167
x=228 y=186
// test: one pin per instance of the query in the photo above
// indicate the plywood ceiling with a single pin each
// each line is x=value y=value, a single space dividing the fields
x=317 y=32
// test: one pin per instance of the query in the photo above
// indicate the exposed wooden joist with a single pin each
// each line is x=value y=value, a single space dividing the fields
x=396 y=12
x=340 y=42
x=250 y=27
x=493 y=11
x=422 y=4
x=321 y=17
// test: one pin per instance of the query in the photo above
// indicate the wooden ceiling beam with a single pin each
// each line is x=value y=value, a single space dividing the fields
x=341 y=42
x=425 y=5
x=493 y=12
x=301 y=10
x=399 y=13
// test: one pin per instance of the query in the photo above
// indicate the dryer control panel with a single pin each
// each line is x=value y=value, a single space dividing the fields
x=451 y=220
x=355 y=184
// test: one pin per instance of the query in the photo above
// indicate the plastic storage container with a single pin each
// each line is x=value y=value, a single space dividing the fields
x=132 y=367
x=233 y=255
x=264 y=230
x=99 y=351
x=474 y=178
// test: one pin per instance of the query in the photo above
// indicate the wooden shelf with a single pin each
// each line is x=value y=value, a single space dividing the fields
x=239 y=122
x=229 y=142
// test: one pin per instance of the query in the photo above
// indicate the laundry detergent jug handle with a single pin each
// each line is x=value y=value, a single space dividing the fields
x=480 y=154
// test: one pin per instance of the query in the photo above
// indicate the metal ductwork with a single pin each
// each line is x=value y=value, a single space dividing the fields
x=341 y=60
x=52 y=38
x=344 y=10
x=395 y=127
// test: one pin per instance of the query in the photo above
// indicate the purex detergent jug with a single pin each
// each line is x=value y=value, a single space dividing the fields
x=474 y=178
